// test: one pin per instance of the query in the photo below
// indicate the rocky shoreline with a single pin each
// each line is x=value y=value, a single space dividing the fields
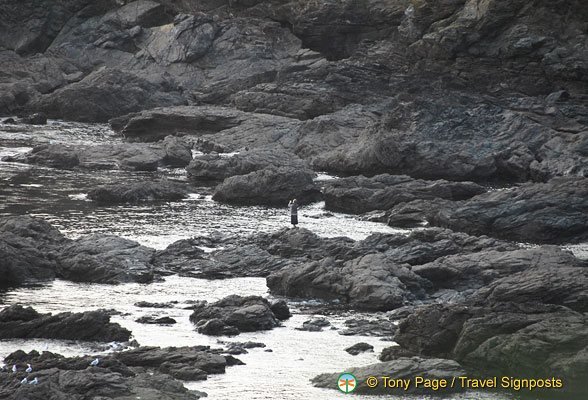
x=465 y=121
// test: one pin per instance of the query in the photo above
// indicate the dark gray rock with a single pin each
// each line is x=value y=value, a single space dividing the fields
x=152 y=319
x=19 y=322
x=381 y=326
x=234 y=314
x=359 y=348
x=34 y=119
x=138 y=192
x=178 y=152
x=360 y=194
x=401 y=368
x=147 y=304
x=314 y=325
x=52 y=155
x=28 y=249
x=370 y=282
x=105 y=259
x=552 y=212
x=197 y=357
x=280 y=309
x=269 y=187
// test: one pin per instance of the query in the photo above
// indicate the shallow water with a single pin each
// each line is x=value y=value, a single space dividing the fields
x=59 y=197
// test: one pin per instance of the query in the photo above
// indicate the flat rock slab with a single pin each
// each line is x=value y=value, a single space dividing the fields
x=19 y=322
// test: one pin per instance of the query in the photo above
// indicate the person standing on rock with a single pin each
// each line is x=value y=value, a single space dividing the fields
x=293 y=205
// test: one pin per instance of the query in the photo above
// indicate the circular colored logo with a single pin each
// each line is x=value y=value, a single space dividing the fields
x=346 y=383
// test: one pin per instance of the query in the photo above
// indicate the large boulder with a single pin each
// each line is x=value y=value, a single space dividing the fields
x=381 y=192
x=371 y=282
x=29 y=248
x=19 y=322
x=270 y=186
x=233 y=315
x=106 y=259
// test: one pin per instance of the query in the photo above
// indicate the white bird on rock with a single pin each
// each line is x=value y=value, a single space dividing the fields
x=95 y=362
x=29 y=368
x=34 y=381
x=14 y=369
x=25 y=380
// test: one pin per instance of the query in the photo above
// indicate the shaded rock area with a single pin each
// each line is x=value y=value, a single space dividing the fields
x=106 y=259
x=401 y=368
x=19 y=322
x=233 y=315
x=137 y=192
x=359 y=194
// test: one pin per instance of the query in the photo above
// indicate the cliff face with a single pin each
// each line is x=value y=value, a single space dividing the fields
x=456 y=89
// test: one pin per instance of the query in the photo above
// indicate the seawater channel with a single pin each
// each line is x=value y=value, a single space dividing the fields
x=58 y=196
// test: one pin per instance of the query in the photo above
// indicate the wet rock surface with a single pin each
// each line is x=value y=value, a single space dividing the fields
x=233 y=315
x=20 y=322
x=106 y=259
